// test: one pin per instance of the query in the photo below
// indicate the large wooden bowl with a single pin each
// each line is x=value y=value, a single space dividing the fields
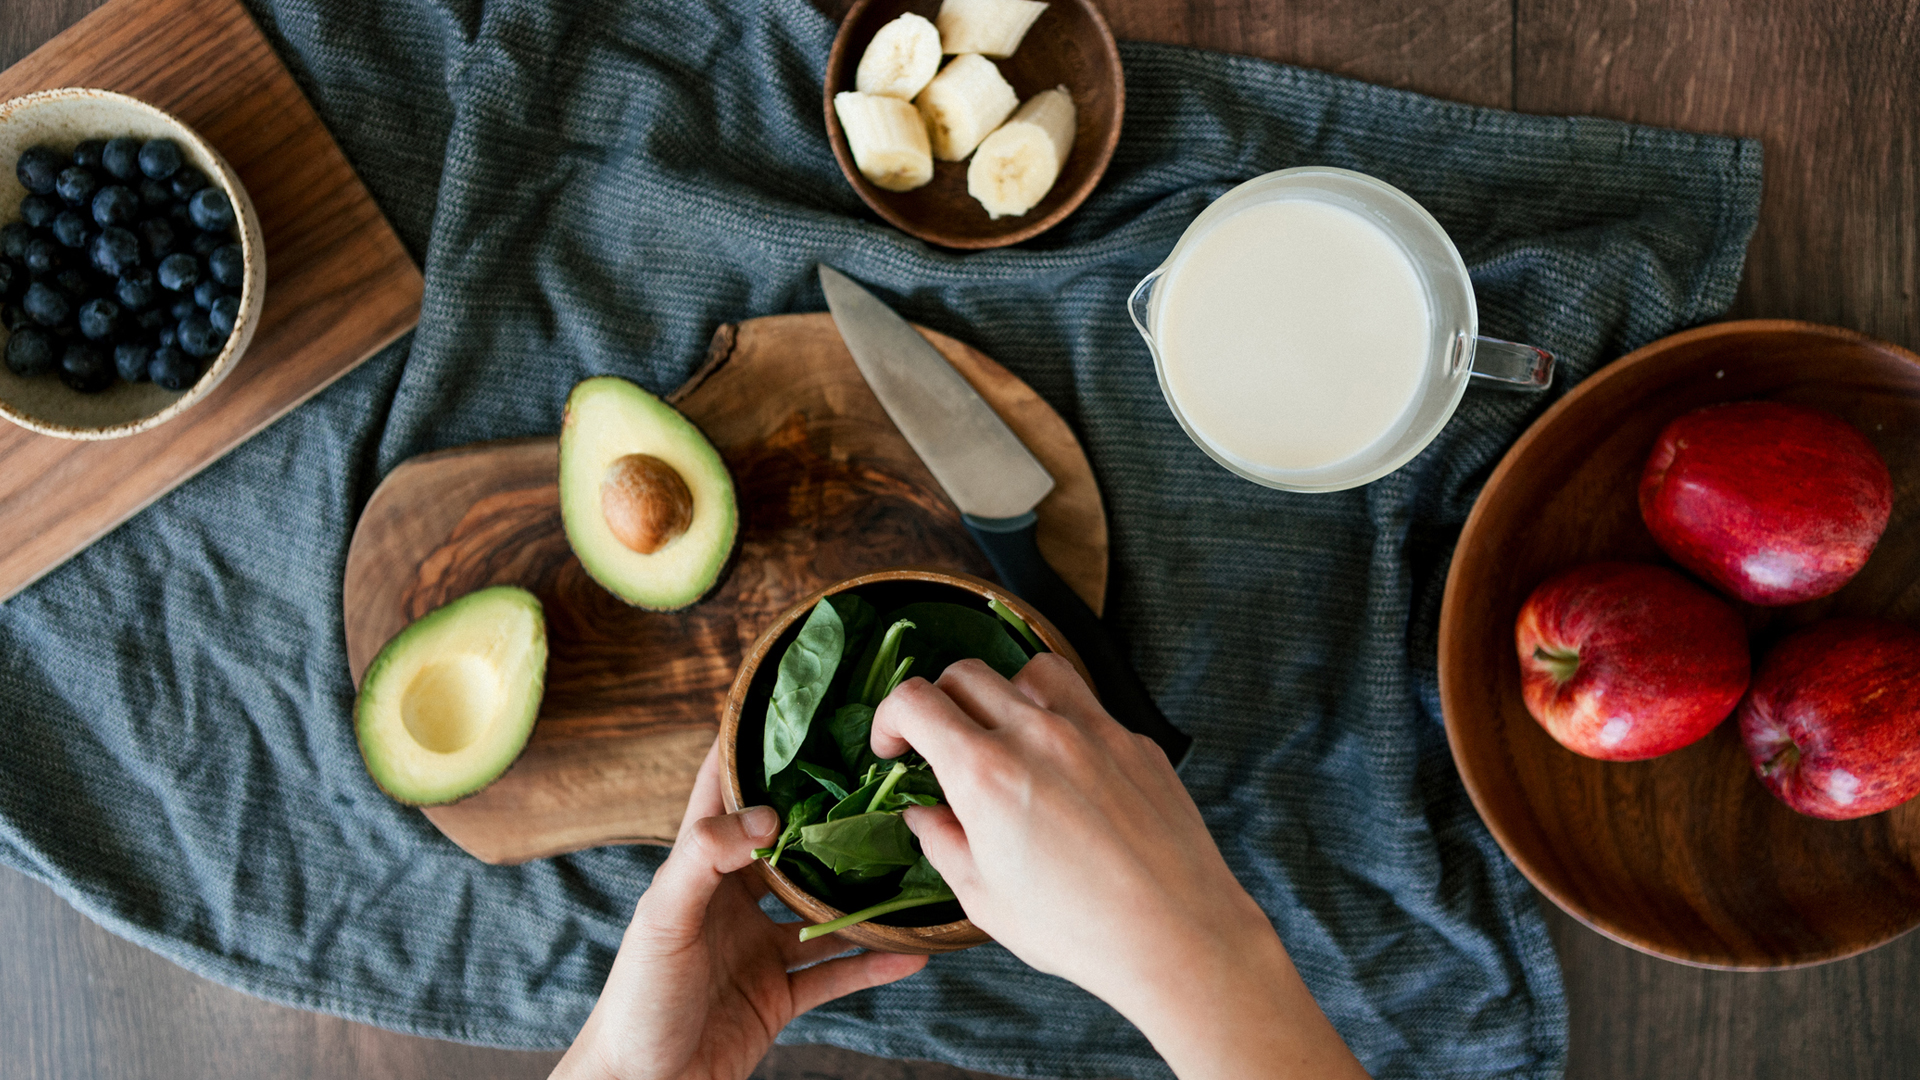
x=754 y=684
x=1686 y=856
x=1068 y=45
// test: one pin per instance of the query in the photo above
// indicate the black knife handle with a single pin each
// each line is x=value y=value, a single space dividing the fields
x=1010 y=547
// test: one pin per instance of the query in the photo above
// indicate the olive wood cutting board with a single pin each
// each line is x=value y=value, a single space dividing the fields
x=340 y=286
x=828 y=489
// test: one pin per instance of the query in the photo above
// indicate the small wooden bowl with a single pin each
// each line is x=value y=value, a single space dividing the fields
x=1068 y=45
x=62 y=119
x=754 y=684
x=1685 y=856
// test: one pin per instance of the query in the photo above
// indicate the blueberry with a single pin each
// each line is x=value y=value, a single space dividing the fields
x=42 y=256
x=130 y=360
x=179 y=214
x=48 y=305
x=187 y=181
x=13 y=240
x=155 y=193
x=166 y=337
x=72 y=228
x=159 y=236
x=115 y=251
x=211 y=209
x=172 y=369
x=182 y=308
x=179 y=272
x=227 y=265
x=160 y=158
x=39 y=168
x=15 y=317
x=30 y=352
x=205 y=293
x=76 y=186
x=152 y=319
x=197 y=336
x=86 y=368
x=224 y=314
x=115 y=205
x=38 y=211
x=77 y=284
x=121 y=158
x=13 y=279
x=206 y=243
x=99 y=319
x=87 y=154
x=135 y=289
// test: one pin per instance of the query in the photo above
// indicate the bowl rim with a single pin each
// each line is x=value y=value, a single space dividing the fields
x=945 y=937
x=868 y=192
x=1453 y=617
x=253 y=285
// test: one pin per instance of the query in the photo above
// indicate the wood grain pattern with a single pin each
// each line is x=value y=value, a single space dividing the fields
x=1069 y=45
x=1686 y=855
x=827 y=489
x=340 y=285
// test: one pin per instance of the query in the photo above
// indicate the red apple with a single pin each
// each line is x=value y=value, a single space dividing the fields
x=1623 y=661
x=1773 y=503
x=1833 y=720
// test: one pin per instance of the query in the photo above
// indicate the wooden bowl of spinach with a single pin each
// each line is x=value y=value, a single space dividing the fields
x=803 y=702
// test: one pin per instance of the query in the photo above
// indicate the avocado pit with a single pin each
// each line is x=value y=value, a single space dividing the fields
x=647 y=503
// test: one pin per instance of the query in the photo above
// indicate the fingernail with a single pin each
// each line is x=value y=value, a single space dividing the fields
x=759 y=820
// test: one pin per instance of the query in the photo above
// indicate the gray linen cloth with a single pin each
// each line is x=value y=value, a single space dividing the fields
x=592 y=186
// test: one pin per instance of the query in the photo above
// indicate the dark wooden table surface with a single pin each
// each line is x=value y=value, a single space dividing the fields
x=1832 y=89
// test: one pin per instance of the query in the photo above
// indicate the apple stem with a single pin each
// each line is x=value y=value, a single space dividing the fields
x=1560 y=663
x=1785 y=759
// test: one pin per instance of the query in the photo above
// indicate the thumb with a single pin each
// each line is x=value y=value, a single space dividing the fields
x=944 y=842
x=704 y=853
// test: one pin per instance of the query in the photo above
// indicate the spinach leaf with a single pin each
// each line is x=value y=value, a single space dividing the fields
x=921 y=886
x=945 y=634
x=861 y=844
x=808 y=874
x=887 y=785
x=883 y=664
x=856 y=800
x=1014 y=620
x=805 y=813
x=785 y=789
x=829 y=779
x=801 y=682
x=852 y=731
x=857 y=617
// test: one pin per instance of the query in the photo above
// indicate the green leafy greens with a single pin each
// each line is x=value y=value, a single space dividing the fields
x=843 y=838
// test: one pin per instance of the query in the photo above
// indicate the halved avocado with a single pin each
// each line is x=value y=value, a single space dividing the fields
x=449 y=703
x=647 y=503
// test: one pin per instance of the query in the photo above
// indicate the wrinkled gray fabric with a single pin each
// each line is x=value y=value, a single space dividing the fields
x=594 y=185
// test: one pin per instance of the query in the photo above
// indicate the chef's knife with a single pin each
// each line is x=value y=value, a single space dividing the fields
x=995 y=481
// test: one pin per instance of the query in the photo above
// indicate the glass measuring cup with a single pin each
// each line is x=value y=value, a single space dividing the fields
x=1455 y=352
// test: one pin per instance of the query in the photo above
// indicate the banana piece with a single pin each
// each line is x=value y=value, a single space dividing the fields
x=887 y=137
x=900 y=60
x=988 y=27
x=964 y=103
x=1016 y=166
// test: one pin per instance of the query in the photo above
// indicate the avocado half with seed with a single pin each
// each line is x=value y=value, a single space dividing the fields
x=647 y=502
x=449 y=703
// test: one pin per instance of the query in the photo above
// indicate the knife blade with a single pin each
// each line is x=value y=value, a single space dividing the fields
x=994 y=480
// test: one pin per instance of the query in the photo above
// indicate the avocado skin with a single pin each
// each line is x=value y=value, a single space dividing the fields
x=374 y=727
x=607 y=418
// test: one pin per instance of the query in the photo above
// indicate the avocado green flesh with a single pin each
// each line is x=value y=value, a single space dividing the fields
x=607 y=419
x=449 y=703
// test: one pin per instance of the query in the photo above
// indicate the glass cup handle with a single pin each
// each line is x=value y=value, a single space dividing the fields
x=1512 y=365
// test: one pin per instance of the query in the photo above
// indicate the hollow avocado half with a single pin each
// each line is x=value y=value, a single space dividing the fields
x=647 y=502
x=449 y=703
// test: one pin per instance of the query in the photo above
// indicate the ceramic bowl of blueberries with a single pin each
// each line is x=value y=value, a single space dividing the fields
x=132 y=267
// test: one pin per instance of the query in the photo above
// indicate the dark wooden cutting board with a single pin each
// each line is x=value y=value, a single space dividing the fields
x=339 y=284
x=828 y=489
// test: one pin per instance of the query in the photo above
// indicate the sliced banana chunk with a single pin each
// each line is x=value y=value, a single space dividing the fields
x=988 y=27
x=1016 y=166
x=900 y=60
x=965 y=102
x=887 y=137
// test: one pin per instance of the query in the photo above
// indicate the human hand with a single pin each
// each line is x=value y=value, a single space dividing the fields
x=1073 y=842
x=704 y=980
